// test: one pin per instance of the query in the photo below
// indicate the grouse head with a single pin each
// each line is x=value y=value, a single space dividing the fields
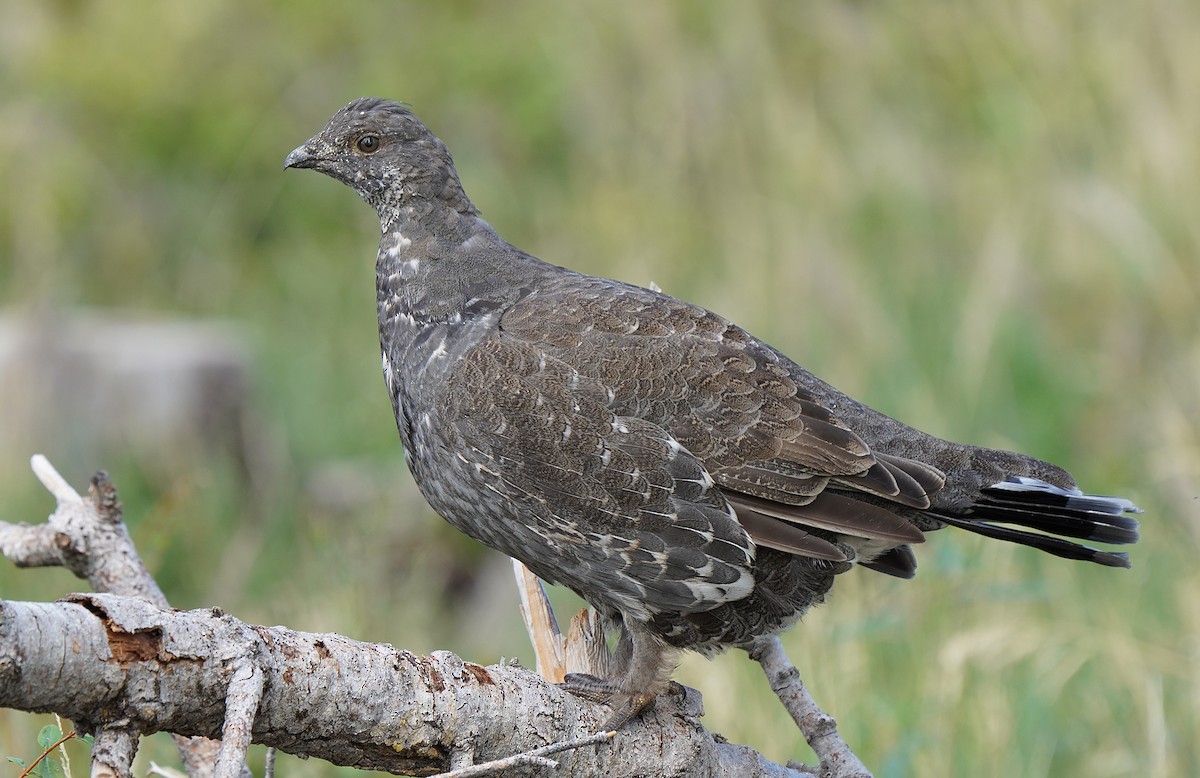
x=382 y=151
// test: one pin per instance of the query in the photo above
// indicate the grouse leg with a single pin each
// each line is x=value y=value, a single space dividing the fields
x=644 y=669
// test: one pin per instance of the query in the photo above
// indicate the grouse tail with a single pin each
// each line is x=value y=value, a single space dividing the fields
x=1043 y=516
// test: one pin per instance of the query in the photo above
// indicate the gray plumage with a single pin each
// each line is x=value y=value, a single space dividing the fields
x=695 y=485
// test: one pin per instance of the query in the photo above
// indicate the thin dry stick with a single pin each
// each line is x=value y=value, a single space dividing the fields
x=46 y=753
x=536 y=757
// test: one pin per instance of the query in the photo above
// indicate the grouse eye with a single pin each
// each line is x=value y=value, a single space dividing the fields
x=368 y=144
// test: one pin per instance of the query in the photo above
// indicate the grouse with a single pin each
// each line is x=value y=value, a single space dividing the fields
x=697 y=487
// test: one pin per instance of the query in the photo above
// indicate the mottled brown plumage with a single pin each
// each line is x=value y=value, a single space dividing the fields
x=695 y=485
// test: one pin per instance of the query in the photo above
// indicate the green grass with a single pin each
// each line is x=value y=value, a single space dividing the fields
x=978 y=218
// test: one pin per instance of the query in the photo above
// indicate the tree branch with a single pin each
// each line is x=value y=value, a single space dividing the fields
x=88 y=537
x=818 y=727
x=110 y=662
x=121 y=663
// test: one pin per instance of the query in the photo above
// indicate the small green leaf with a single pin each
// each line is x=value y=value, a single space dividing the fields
x=89 y=740
x=16 y=760
x=49 y=735
x=51 y=767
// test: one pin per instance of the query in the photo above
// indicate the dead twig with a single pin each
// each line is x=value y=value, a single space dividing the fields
x=537 y=757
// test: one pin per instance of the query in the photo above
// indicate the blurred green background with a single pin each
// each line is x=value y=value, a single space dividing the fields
x=978 y=217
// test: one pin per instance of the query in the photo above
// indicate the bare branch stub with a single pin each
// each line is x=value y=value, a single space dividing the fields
x=104 y=497
x=112 y=753
x=540 y=624
x=241 y=707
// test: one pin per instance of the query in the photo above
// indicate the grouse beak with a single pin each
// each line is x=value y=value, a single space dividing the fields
x=301 y=157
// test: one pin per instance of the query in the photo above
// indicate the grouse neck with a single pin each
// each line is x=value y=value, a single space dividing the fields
x=439 y=265
x=446 y=220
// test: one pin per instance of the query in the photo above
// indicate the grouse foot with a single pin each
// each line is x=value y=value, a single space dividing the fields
x=625 y=705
